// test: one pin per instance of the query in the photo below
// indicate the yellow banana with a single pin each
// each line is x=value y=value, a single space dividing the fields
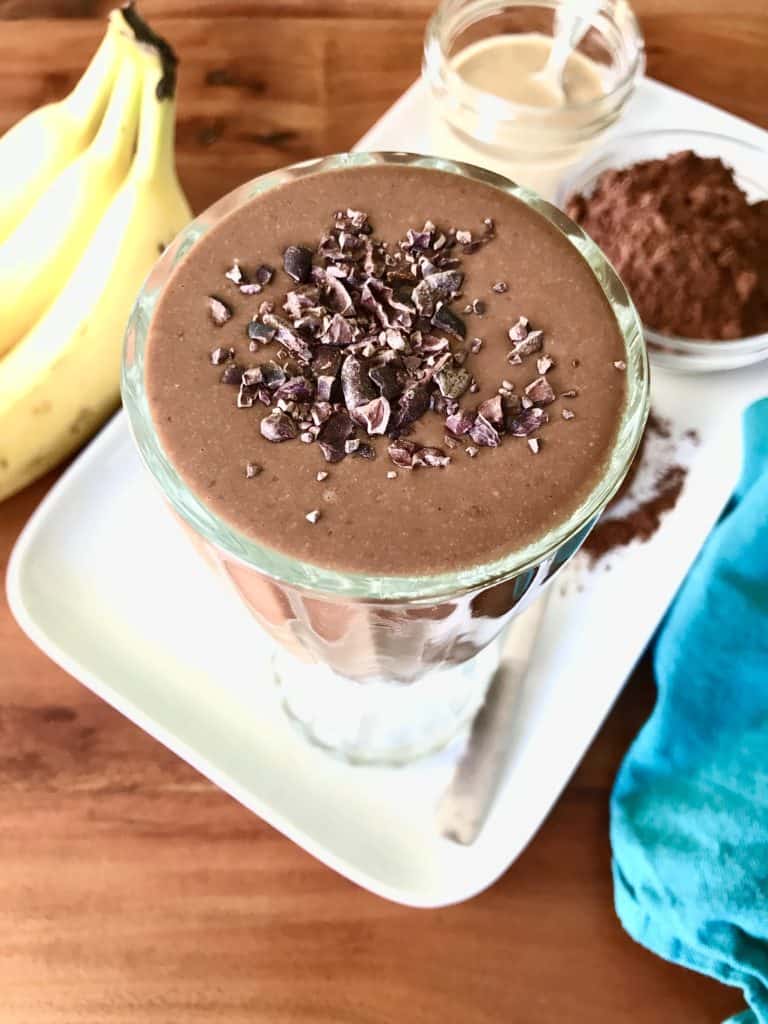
x=38 y=257
x=61 y=380
x=37 y=148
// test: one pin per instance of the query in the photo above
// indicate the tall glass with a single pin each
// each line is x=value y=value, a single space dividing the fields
x=381 y=668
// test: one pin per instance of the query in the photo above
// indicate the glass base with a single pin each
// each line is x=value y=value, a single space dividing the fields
x=380 y=721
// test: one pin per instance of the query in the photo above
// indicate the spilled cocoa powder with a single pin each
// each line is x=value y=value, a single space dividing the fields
x=651 y=488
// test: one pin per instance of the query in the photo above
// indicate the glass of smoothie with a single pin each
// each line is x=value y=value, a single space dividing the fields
x=387 y=396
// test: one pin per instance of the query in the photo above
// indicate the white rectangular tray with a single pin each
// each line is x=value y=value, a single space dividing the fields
x=102 y=580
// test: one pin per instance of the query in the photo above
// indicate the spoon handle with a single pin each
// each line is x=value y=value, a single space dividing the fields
x=466 y=803
x=572 y=21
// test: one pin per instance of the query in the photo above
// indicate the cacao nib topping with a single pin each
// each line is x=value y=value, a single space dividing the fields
x=296 y=389
x=235 y=274
x=519 y=331
x=278 y=426
x=253 y=375
x=460 y=423
x=388 y=379
x=220 y=311
x=334 y=434
x=409 y=455
x=297 y=263
x=434 y=457
x=453 y=381
x=484 y=434
x=544 y=364
x=368 y=340
x=446 y=320
x=260 y=332
x=411 y=406
x=221 y=355
x=442 y=286
x=540 y=391
x=528 y=345
x=374 y=415
x=356 y=385
x=232 y=374
x=492 y=411
x=272 y=374
x=287 y=336
x=528 y=422
x=339 y=333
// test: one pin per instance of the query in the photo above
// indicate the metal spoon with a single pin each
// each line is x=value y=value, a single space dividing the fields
x=466 y=803
x=572 y=21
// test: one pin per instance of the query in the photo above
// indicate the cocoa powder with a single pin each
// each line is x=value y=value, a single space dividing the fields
x=651 y=488
x=691 y=249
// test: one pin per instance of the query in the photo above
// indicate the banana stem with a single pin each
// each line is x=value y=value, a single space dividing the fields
x=157 y=123
x=87 y=100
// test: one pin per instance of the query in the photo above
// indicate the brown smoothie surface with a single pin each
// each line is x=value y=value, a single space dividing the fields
x=470 y=478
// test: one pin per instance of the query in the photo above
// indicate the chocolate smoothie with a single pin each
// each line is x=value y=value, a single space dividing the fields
x=387 y=369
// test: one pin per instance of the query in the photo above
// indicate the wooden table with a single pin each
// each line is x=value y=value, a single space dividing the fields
x=133 y=890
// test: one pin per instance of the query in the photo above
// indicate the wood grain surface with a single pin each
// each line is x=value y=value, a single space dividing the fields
x=133 y=890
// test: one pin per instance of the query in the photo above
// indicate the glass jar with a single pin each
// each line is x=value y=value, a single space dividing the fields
x=533 y=145
x=380 y=668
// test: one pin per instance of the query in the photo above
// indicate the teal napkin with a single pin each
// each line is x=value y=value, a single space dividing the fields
x=689 y=810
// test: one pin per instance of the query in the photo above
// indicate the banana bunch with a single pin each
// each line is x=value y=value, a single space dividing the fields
x=89 y=197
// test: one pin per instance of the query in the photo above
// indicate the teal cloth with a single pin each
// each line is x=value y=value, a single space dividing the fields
x=689 y=810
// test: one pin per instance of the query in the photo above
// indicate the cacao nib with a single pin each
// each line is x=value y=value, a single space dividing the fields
x=528 y=422
x=446 y=320
x=453 y=381
x=540 y=391
x=277 y=426
x=492 y=411
x=461 y=422
x=257 y=331
x=484 y=433
x=388 y=379
x=232 y=374
x=402 y=453
x=374 y=415
x=220 y=311
x=296 y=389
x=411 y=406
x=297 y=263
x=355 y=382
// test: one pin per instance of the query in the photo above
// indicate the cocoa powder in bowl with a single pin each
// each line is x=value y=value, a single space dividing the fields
x=691 y=249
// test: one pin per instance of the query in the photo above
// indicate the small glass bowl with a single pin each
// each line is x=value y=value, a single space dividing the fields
x=531 y=145
x=750 y=167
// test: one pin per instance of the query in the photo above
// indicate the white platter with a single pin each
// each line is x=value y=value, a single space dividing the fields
x=102 y=580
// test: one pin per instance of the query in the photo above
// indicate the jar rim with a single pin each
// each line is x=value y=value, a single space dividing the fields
x=292 y=571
